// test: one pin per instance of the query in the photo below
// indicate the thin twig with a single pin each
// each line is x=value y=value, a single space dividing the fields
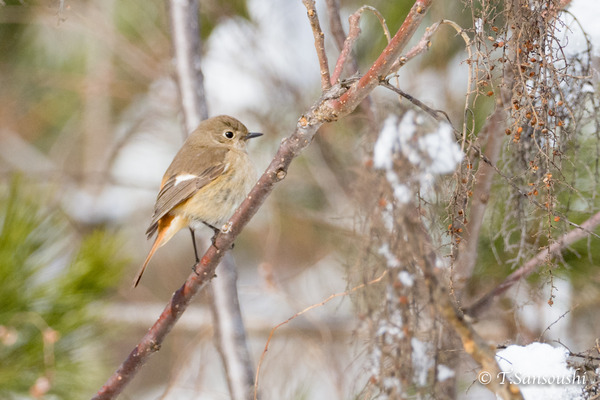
x=423 y=45
x=435 y=114
x=311 y=11
x=335 y=23
x=353 y=32
x=382 y=22
x=299 y=313
x=382 y=66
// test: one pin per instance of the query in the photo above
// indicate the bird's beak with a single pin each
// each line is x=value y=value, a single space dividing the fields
x=251 y=135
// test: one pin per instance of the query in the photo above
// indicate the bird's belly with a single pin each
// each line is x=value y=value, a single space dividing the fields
x=215 y=203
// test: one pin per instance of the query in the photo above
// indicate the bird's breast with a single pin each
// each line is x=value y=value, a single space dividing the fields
x=215 y=203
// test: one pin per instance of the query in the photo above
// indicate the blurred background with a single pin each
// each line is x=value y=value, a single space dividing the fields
x=89 y=121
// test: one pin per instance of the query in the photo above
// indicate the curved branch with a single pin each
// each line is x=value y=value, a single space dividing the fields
x=353 y=32
x=382 y=66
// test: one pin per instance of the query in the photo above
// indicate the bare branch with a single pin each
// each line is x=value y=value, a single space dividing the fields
x=530 y=266
x=382 y=66
x=186 y=47
x=418 y=48
x=152 y=341
x=343 y=58
x=333 y=104
x=435 y=114
x=311 y=11
x=353 y=32
x=230 y=335
x=230 y=332
x=335 y=23
x=472 y=342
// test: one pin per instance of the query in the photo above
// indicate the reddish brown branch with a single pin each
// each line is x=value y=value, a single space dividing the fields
x=311 y=11
x=530 y=266
x=152 y=341
x=382 y=66
x=353 y=32
x=328 y=108
x=417 y=49
x=277 y=170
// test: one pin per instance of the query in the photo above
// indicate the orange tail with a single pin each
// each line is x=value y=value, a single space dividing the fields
x=155 y=246
x=167 y=227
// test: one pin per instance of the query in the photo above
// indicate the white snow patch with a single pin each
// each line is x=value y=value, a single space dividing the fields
x=433 y=154
x=421 y=360
x=392 y=261
x=383 y=151
x=444 y=372
x=540 y=371
x=406 y=278
x=443 y=151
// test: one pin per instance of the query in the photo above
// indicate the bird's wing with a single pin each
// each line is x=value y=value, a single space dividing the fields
x=180 y=187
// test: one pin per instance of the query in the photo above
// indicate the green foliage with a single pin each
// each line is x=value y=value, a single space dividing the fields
x=52 y=286
x=213 y=12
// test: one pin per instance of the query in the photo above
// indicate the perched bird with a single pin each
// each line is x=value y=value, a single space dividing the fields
x=207 y=180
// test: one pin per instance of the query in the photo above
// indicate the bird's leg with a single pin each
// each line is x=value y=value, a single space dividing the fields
x=214 y=238
x=215 y=230
x=195 y=251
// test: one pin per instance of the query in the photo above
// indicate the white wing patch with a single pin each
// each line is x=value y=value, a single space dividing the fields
x=184 y=177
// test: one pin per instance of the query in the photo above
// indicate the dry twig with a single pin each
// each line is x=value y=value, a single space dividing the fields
x=299 y=313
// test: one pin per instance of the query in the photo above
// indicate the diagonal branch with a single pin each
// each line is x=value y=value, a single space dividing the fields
x=333 y=104
x=353 y=32
x=530 y=266
x=382 y=66
x=473 y=343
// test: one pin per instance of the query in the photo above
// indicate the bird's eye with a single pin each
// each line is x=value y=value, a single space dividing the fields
x=228 y=134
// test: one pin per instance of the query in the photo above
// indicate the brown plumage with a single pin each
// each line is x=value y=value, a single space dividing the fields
x=206 y=181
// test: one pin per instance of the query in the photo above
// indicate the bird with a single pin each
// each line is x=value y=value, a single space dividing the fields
x=207 y=180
